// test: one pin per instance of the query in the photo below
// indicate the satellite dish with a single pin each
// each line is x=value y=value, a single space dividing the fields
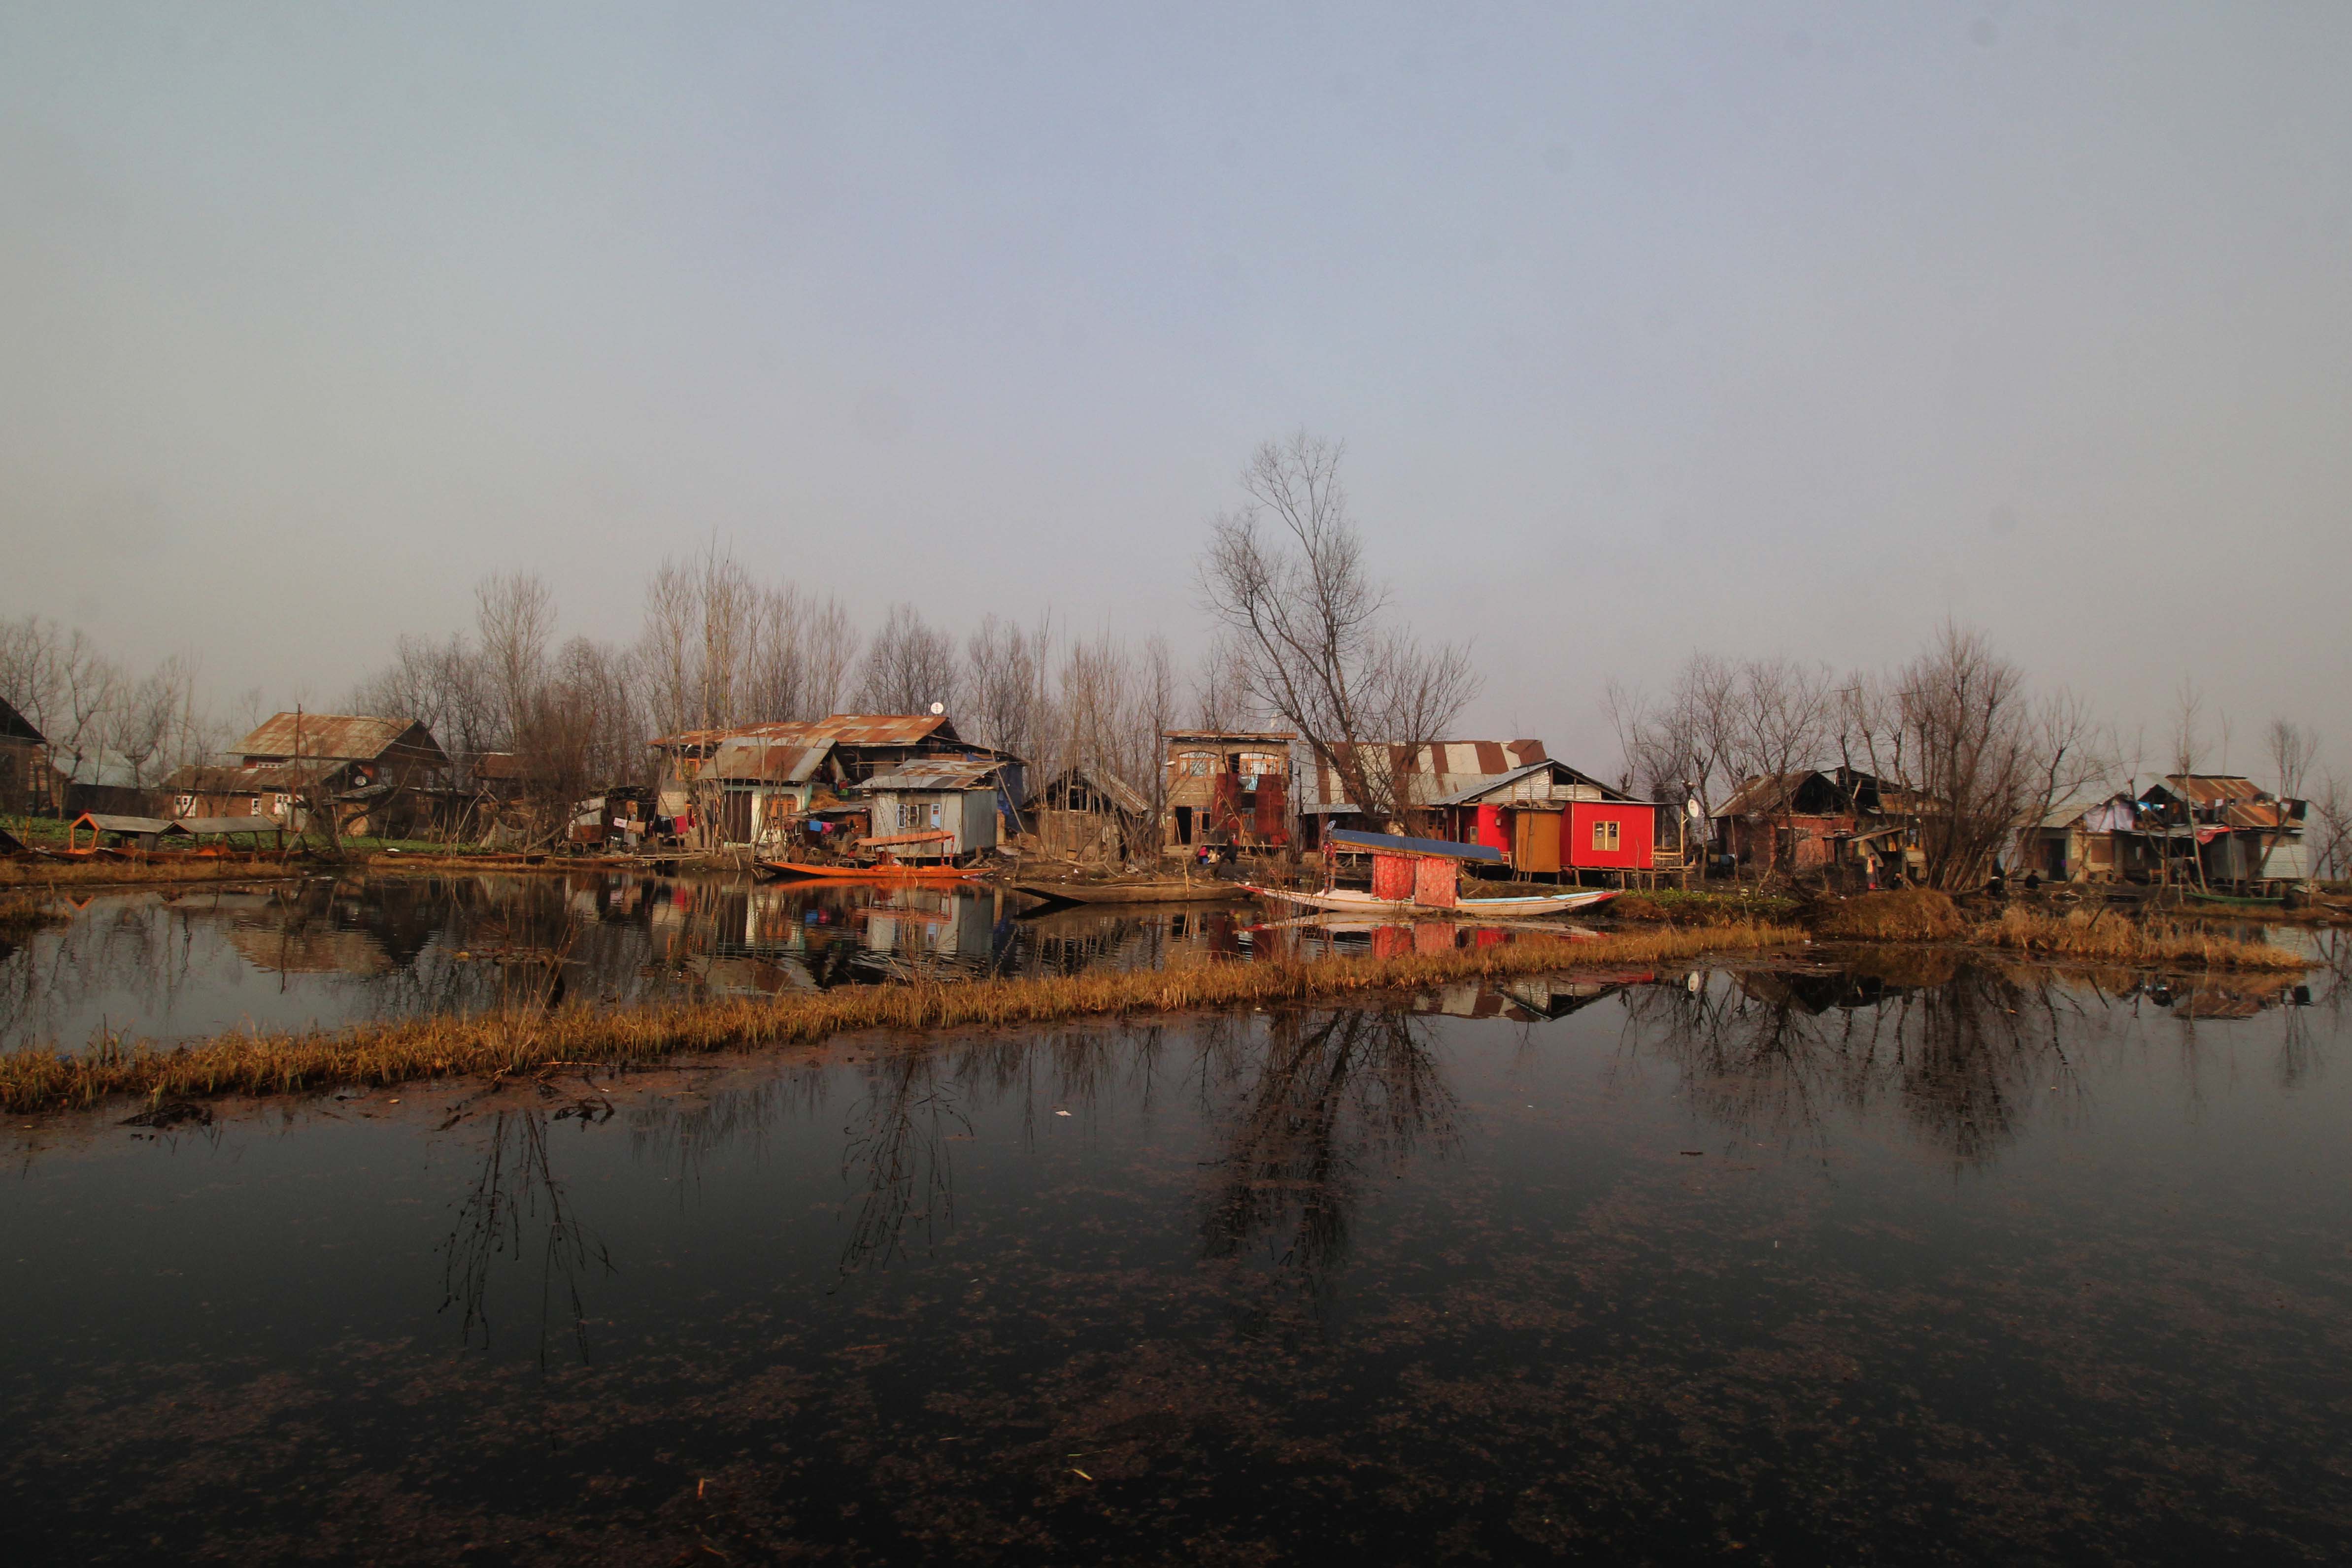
x=1692 y=807
x=938 y=708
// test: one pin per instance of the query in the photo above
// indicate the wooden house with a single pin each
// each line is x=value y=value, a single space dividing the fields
x=2091 y=838
x=1550 y=820
x=22 y=786
x=2245 y=837
x=736 y=786
x=1087 y=812
x=382 y=774
x=1230 y=788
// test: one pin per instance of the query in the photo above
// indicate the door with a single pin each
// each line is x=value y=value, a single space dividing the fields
x=1536 y=840
x=1184 y=825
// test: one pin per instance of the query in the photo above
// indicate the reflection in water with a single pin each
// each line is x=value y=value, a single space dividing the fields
x=1324 y=1101
x=516 y=1210
x=1277 y=1283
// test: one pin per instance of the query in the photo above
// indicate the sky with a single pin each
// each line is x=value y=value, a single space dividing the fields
x=1762 y=329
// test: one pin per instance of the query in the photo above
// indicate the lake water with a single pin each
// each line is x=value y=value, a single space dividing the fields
x=1912 y=1261
x=183 y=963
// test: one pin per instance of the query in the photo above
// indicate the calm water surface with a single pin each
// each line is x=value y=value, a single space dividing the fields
x=181 y=964
x=1913 y=1262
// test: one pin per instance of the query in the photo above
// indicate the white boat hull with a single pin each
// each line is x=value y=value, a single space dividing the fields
x=1354 y=901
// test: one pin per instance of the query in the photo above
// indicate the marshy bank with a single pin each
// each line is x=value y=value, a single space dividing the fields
x=2109 y=938
x=525 y=1042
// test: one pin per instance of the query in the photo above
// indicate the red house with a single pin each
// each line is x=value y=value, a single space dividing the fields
x=1550 y=820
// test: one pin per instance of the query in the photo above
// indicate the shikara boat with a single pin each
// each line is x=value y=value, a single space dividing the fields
x=1160 y=890
x=1354 y=901
x=887 y=871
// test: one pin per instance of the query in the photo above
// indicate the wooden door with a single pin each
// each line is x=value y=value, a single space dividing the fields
x=1536 y=840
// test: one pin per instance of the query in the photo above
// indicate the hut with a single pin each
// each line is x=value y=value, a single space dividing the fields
x=2245 y=837
x=1549 y=820
x=1086 y=810
x=252 y=829
x=936 y=808
x=1226 y=787
x=383 y=773
x=739 y=784
x=128 y=832
x=20 y=761
x=1410 y=870
x=2088 y=838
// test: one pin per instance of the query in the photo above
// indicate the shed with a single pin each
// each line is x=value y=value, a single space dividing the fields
x=1413 y=870
x=1085 y=809
x=141 y=830
x=227 y=827
x=957 y=797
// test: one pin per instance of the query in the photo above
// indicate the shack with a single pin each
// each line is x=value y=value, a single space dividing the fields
x=1413 y=871
x=262 y=789
x=938 y=809
x=130 y=833
x=20 y=761
x=1548 y=820
x=1086 y=810
x=382 y=774
x=1226 y=787
x=2089 y=838
x=2245 y=836
x=737 y=785
x=252 y=829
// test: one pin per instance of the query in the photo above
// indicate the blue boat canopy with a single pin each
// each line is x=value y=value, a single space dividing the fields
x=1391 y=844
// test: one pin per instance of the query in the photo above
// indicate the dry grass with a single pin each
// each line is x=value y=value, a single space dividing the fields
x=37 y=874
x=2115 y=940
x=437 y=1047
x=20 y=917
x=1906 y=914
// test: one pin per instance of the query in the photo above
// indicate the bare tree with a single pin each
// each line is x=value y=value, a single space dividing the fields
x=1006 y=701
x=910 y=666
x=2292 y=748
x=1314 y=639
x=514 y=616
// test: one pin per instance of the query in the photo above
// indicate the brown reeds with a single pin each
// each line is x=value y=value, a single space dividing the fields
x=38 y=873
x=1900 y=914
x=2114 y=939
x=506 y=1043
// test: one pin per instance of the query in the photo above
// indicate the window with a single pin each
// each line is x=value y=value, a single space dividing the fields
x=1193 y=765
x=187 y=805
x=1604 y=837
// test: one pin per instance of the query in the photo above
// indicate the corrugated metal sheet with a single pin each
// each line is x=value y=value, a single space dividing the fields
x=1429 y=773
x=1566 y=784
x=198 y=778
x=2212 y=788
x=839 y=730
x=204 y=826
x=936 y=773
x=1395 y=844
x=759 y=759
x=338 y=737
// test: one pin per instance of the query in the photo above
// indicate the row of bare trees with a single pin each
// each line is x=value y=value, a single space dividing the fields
x=104 y=722
x=1959 y=727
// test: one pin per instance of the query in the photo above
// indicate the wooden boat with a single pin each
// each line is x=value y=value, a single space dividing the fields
x=888 y=871
x=1356 y=901
x=1157 y=891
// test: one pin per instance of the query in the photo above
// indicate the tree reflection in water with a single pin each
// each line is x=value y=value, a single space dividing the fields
x=1770 y=1055
x=1327 y=1100
x=516 y=1207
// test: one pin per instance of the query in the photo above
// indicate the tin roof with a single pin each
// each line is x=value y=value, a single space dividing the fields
x=1122 y=795
x=203 y=826
x=943 y=773
x=764 y=759
x=336 y=736
x=837 y=729
x=1471 y=792
x=1396 y=844
x=1431 y=773
x=109 y=822
x=2212 y=788
x=210 y=778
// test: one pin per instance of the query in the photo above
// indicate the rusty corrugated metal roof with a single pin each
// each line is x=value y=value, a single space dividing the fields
x=761 y=760
x=839 y=730
x=199 y=779
x=336 y=736
x=2212 y=788
x=936 y=773
x=1432 y=772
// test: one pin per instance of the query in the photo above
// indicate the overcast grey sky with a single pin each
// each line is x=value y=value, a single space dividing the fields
x=1771 y=328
